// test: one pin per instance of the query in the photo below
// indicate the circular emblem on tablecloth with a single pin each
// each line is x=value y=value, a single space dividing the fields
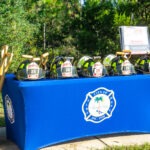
x=98 y=105
x=9 y=109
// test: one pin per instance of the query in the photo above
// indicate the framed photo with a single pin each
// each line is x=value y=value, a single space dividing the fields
x=135 y=38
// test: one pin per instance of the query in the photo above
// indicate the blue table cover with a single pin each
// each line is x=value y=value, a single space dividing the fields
x=46 y=112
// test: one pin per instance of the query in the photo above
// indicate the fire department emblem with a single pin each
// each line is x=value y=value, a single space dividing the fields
x=9 y=109
x=98 y=105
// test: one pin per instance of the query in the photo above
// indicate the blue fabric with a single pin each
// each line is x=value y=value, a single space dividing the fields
x=50 y=111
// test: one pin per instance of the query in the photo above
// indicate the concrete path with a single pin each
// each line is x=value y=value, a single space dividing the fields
x=92 y=143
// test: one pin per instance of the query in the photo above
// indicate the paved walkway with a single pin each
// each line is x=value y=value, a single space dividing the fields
x=93 y=143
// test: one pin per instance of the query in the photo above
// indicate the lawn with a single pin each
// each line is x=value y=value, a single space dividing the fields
x=2 y=120
x=145 y=146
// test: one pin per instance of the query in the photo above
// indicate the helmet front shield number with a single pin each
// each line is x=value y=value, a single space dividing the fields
x=66 y=69
x=126 y=68
x=97 y=69
x=33 y=71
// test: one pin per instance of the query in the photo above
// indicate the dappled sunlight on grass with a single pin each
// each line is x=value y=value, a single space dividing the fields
x=2 y=120
x=145 y=146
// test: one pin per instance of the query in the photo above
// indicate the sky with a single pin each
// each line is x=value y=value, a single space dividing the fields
x=82 y=1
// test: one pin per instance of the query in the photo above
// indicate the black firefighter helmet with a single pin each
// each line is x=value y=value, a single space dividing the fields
x=142 y=64
x=62 y=67
x=30 y=69
x=120 y=64
x=91 y=67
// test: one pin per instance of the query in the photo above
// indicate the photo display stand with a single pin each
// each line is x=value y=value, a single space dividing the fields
x=135 y=38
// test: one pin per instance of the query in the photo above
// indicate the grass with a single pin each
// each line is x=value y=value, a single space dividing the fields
x=2 y=120
x=145 y=146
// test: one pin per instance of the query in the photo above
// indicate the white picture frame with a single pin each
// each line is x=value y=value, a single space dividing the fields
x=135 y=38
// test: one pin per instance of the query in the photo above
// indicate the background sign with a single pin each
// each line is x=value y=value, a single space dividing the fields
x=135 y=39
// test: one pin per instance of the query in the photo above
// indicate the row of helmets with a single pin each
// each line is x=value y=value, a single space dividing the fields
x=87 y=66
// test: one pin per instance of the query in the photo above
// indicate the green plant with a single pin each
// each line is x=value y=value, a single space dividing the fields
x=145 y=146
x=2 y=120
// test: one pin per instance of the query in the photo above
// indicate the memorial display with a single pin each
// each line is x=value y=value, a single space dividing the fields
x=54 y=100
x=62 y=67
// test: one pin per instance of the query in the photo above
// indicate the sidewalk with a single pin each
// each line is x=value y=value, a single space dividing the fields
x=92 y=143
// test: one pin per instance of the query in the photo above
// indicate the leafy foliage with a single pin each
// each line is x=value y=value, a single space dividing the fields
x=16 y=30
x=67 y=27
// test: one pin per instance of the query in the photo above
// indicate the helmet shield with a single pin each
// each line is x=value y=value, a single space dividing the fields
x=119 y=66
x=29 y=71
x=90 y=67
x=142 y=65
x=127 y=68
x=62 y=68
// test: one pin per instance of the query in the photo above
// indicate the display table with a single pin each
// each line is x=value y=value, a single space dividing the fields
x=47 y=112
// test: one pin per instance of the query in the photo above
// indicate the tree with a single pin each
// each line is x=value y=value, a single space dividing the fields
x=16 y=31
x=98 y=36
